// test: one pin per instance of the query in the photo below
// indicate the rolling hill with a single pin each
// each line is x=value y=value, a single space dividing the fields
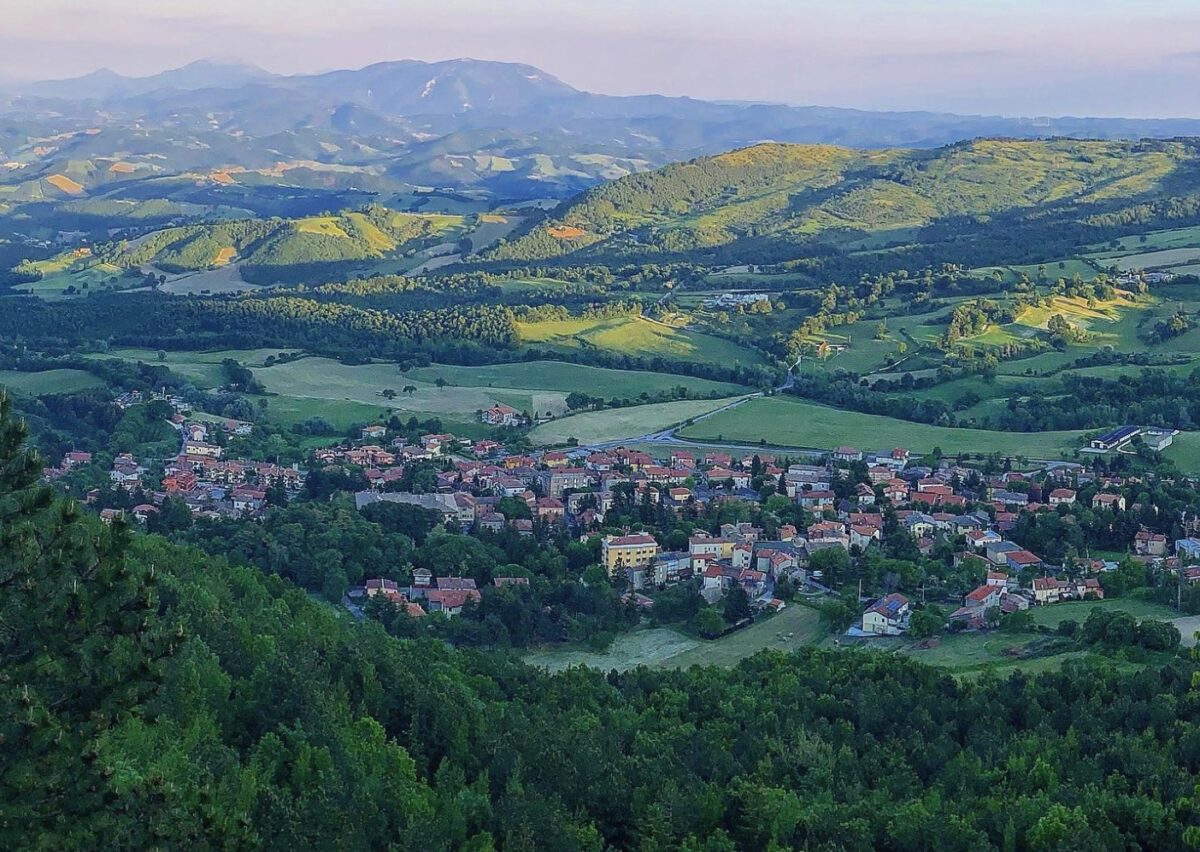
x=771 y=197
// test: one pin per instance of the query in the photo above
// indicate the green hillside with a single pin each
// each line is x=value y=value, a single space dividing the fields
x=270 y=251
x=818 y=193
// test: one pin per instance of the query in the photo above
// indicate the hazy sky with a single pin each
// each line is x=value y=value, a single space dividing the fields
x=1021 y=57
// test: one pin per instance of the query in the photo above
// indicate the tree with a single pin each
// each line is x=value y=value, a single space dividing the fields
x=708 y=622
x=737 y=605
x=81 y=645
x=388 y=393
x=410 y=389
x=926 y=622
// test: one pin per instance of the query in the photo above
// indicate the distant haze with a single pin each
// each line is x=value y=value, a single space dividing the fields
x=1137 y=58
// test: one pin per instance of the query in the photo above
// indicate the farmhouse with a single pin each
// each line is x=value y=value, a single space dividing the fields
x=501 y=415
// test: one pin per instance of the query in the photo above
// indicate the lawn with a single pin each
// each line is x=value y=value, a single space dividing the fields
x=787 y=421
x=48 y=381
x=567 y=377
x=638 y=337
x=1052 y=615
x=617 y=423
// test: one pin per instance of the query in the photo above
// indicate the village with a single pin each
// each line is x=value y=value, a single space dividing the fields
x=836 y=511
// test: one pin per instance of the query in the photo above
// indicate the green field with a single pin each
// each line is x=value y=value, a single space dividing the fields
x=202 y=368
x=341 y=414
x=789 y=630
x=1053 y=614
x=567 y=377
x=616 y=423
x=48 y=381
x=786 y=421
x=636 y=336
x=326 y=379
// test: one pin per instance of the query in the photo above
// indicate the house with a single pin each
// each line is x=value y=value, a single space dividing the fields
x=501 y=415
x=1018 y=560
x=110 y=515
x=550 y=510
x=450 y=599
x=816 y=501
x=720 y=476
x=978 y=540
x=492 y=522
x=1047 y=590
x=201 y=450
x=864 y=535
x=1146 y=543
x=847 y=454
x=983 y=597
x=375 y=587
x=997 y=551
x=997 y=578
x=619 y=552
x=1062 y=496
x=1104 y=500
x=143 y=511
x=887 y=616
x=75 y=458
x=919 y=525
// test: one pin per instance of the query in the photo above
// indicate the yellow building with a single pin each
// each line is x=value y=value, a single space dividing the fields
x=628 y=551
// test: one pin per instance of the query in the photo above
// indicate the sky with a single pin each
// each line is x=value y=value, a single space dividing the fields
x=1137 y=58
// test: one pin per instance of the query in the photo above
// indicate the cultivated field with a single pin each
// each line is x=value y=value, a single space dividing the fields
x=787 y=421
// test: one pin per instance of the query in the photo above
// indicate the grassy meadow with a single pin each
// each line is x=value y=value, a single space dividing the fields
x=786 y=421
x=46 y=382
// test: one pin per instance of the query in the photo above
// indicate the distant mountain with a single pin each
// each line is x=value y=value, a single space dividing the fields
x=106 y=85
x=464 y=94
x=508 y=129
